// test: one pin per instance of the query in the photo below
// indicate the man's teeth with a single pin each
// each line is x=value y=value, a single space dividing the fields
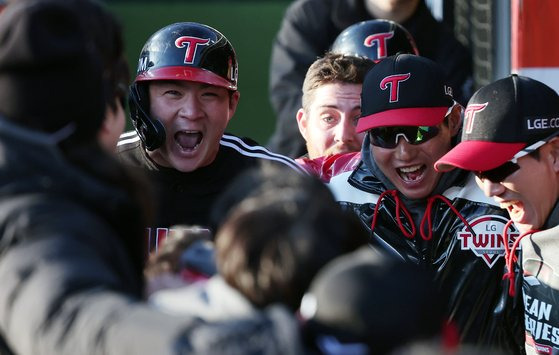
x=508 y=204
x=410 y=169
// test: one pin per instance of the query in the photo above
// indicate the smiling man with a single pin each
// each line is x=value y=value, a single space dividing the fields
x=184 y=95
x=332 y=105
x=331 y=102
x=510 y=140
x=440 y=221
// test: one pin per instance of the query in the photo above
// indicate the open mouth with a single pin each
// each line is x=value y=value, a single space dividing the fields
x=188 y=140
x=514 y=208
x=411 y=173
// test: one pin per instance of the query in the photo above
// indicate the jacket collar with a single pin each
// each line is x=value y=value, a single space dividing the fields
x=553 y=218
x=347 y=12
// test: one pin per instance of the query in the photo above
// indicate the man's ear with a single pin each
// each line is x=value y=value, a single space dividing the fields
x=233 y=103
x=455 y=119
x=302 y=122
x=554 y=152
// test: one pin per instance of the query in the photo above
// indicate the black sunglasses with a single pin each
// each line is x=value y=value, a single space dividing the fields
x=387 y=137
x=499 y=173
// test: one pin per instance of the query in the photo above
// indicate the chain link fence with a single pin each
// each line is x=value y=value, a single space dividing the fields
x=474 y=26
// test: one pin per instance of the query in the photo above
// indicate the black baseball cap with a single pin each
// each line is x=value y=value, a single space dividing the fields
x=404 y=90
x=364 y=298
x=504 y=120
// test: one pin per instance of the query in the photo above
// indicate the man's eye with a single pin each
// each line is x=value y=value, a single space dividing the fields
x=328 y=119
x=172 y=93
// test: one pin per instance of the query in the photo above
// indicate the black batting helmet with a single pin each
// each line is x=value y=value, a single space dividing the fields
x=187 y=51
x=375 y=40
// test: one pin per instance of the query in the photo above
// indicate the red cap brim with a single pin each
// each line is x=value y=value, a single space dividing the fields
x=478 y=155
x=415 y=116
x=198 y=75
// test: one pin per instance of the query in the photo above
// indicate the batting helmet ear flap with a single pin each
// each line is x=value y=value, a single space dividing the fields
x=151 y=131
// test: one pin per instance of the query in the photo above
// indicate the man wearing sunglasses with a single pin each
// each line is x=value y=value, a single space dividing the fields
x=510 y=141
x=440 y=221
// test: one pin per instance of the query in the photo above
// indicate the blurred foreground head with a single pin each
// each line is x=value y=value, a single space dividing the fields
x=274 y=241
x=61 y=63
x=367 y=303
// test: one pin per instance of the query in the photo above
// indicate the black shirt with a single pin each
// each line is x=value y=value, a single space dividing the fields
x=188 y=198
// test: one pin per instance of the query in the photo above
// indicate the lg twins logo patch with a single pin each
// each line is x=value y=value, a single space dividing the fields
x=487 y=243
x=392 y=82
x=191 y=44
x=379 y=39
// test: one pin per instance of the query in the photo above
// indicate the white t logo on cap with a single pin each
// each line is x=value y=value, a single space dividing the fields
x=469 y=116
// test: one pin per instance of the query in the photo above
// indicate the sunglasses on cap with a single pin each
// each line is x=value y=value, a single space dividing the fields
x=387 y=137
x=501 y=172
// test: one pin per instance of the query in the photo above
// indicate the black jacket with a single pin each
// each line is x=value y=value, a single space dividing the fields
x=467 y=259
x=71 y=265
x=188 y=198
x=540 y=286
x=309 y=28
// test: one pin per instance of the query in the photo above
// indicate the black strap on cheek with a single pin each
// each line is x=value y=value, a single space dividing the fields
x=151 y=131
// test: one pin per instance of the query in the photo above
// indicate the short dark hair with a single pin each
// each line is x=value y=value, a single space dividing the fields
x=535 y=154
x=332 y=68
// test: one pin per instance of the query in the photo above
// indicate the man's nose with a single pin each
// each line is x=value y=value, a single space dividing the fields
x=190 y=108
x=404 y=150
x=345 y=131
x=489 y=187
